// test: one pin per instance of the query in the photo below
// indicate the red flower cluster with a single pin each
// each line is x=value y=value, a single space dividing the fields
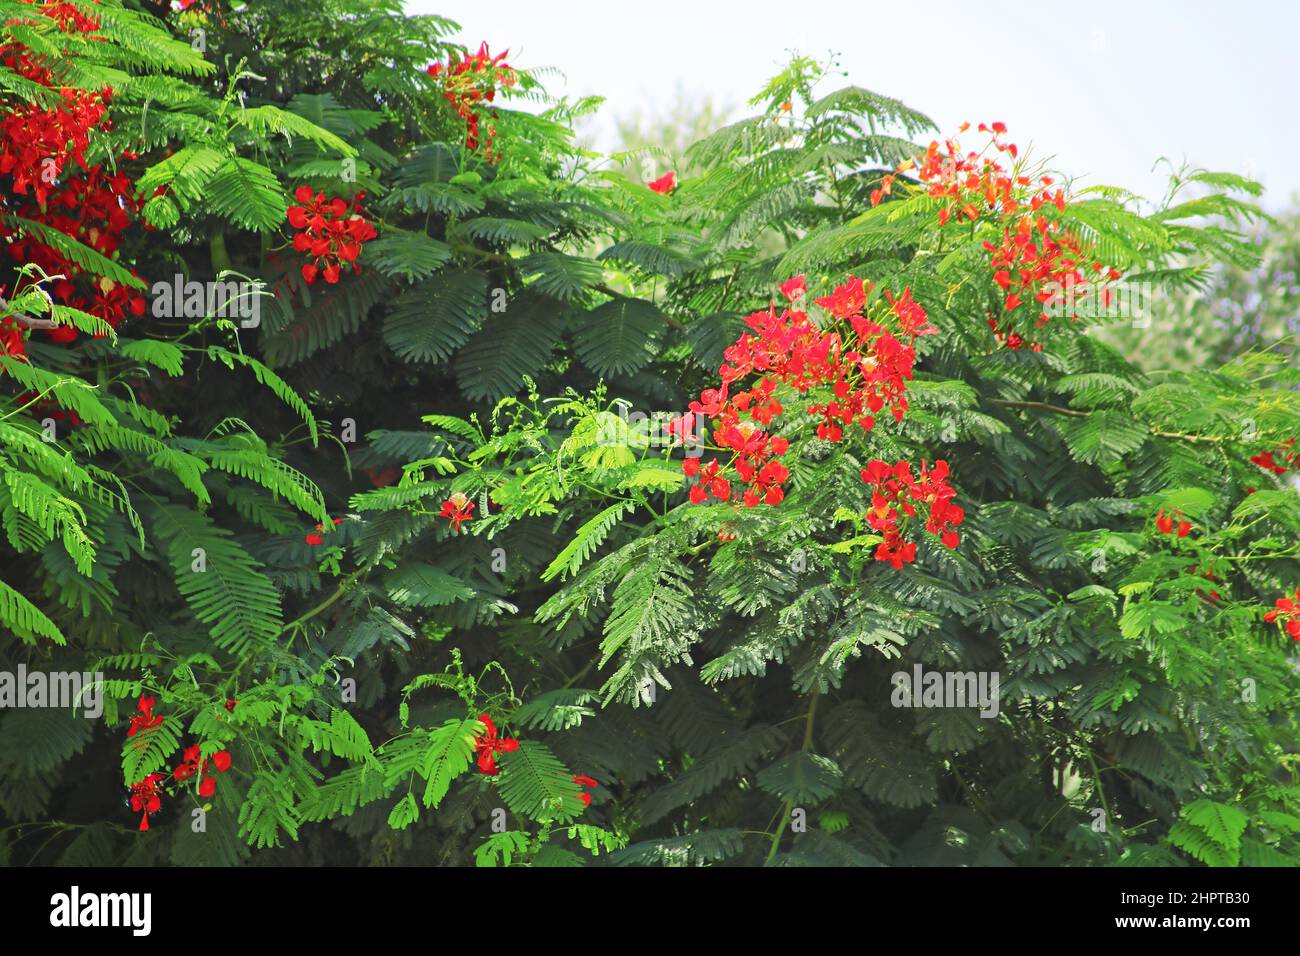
x=468 y=83
x=897 y=493
x=147 y=794
x=70 y=17
x=1268 y=460
x=314 y=537
x=1038 y=259
x=40 y=148
x=489 y=745
x=37 y=142
x=1287 y=609
x=95 y=209
x=865 y=356
x=753 y=458
x=332 y=233
x=1165 y=523
x=193 y=762
x=457 y=509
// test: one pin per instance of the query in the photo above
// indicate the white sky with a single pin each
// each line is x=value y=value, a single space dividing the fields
x=1104 y=87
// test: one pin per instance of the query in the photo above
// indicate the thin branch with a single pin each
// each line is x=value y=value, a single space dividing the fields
x=32 y=323
x=1042 y=407
x=1075 y=413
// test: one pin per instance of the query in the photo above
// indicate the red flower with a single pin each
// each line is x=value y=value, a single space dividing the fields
x=1267 y=459
x=146 y=798
x=897 y=496
x=664 y=184
x=488 y=745
x=194 y=763
x=586 y=782
x=1166 y=523
x=331 y=232
x=886 y=187
x=1287 y=609
x=794 y=289
x=863 y=361
x=457 y=509
x=145 y=719
x=1038 y=256
x=314 y=537
x=847 y=299
x=467 y=83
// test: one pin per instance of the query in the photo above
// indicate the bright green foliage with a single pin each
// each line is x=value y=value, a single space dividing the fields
x=725 y=674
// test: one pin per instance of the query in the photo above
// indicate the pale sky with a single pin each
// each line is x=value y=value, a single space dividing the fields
x=1104 y=87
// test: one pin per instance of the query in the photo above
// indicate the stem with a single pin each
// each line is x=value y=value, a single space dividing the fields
x=324 y=605
x=788 y=807
x=217 y=250
x=1096 y=777
x=1042 y=407
x=1074 y=413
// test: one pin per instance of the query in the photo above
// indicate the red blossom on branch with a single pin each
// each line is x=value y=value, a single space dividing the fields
x=468 y=83
x=1287 y=610
x=588 y=784
x=488 y=745
x=664 y=184
x=1039 y=259
x=457 y=509
x=192 y=762
x=315 y=538
x=866 y=357
x=146 y=797
x=42 y=150
x=1268 y=460
x=145 y=718
x=332 y=233
x=898 y=496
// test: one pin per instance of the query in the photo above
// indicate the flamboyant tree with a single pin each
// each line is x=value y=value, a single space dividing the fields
x=536 y=515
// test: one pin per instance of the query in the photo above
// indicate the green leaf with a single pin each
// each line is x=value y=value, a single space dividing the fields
x=404 y=813
x=535 y=784
x=416 y=584
x=619 y=337
x=433 y=318
x=801 y=778
x=413 y=255
x=448 y=755
x=246 y=193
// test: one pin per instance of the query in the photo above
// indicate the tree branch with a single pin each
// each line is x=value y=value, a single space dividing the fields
x=1074 y=413
x=32 y=323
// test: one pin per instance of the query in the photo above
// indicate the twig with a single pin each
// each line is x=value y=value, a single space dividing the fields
x=1042 y=407
x=32 y=323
